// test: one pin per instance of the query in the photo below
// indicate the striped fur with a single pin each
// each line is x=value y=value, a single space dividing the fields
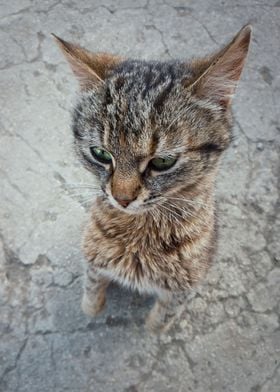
x=164 y=240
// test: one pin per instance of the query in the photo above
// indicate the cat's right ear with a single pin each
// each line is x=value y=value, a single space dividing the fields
x=218 y=75
x=90 y=69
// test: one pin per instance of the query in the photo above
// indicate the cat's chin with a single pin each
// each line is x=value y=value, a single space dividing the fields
x=130 y=210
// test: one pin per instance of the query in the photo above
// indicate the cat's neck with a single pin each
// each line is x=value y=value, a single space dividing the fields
x=190 y=208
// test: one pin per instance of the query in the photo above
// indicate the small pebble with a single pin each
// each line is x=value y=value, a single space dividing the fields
x=183 y=324
x=260 y=146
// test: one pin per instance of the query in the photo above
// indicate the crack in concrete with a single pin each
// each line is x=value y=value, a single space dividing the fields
x=205 y=28
x=22 y=11
x=12 y=258
x=13 y=367
x=249 y=139
x=153 y=26
x=36 y=58
x=14 y=185
x=66 y=285
x=111 y=11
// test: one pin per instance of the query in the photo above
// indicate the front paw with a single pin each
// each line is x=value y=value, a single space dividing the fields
x=93 y=307
x=162 y=318
x=158 y=320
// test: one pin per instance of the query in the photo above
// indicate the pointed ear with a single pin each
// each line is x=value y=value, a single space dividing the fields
x=219 y=74
x=91 y=69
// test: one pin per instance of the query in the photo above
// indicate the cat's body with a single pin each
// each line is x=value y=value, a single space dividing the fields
x=152 y=133
x=151 y=252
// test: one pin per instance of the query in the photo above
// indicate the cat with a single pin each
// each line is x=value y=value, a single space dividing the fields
x=152 y=133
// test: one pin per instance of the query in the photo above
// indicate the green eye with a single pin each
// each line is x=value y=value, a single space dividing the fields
x=101 y=155
x=161 y=164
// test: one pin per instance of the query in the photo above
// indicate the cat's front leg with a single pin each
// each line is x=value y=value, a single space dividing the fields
x=166 y=310
x=156 y=319
x=94 y=296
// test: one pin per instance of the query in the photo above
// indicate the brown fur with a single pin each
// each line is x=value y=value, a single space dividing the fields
x=144 y=251
x=167 y=248
x=89 y=68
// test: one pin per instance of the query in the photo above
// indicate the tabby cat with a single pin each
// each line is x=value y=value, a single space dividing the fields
x=152 y=133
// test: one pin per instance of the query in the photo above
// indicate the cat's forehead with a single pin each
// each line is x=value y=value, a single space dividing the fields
x=135 y=92
x=137 y=146
x=137 y=111
x=134 y=98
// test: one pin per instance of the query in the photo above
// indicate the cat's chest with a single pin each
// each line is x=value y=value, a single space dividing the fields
x=138 y=254
x=115 y=239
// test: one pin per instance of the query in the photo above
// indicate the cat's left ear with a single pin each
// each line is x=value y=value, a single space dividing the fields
x=90 y=68
x=218 y=75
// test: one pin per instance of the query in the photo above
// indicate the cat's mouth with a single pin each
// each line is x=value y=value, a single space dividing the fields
x=134 y=208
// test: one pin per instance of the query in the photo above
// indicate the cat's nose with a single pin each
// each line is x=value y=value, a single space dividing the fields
x=124 y=202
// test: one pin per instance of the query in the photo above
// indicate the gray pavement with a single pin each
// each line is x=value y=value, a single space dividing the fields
x=228 y=338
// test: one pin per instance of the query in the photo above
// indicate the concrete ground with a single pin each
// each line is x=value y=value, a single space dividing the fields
x=228 y=338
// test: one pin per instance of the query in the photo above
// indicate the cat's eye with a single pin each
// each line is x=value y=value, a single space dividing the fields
x=101 y=155
x=161 y=164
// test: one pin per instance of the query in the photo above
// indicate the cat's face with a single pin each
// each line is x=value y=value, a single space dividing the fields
x=145 y=137
x=149 y=129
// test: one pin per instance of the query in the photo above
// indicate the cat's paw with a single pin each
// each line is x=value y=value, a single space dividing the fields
x=158 y=325
x=158 y=321
x=161 y=319
x=93 y=307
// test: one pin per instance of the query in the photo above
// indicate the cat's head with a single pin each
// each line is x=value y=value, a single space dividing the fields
x=151 y=129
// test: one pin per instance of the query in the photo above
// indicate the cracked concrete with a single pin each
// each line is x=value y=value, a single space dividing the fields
x=228 y=338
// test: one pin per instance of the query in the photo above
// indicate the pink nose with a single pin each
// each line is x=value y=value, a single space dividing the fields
x=124 y=202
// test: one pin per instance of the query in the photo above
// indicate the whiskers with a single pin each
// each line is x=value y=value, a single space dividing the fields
x=83 y=186
x=193 y=204
x=84 y=194
x=179 y=210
